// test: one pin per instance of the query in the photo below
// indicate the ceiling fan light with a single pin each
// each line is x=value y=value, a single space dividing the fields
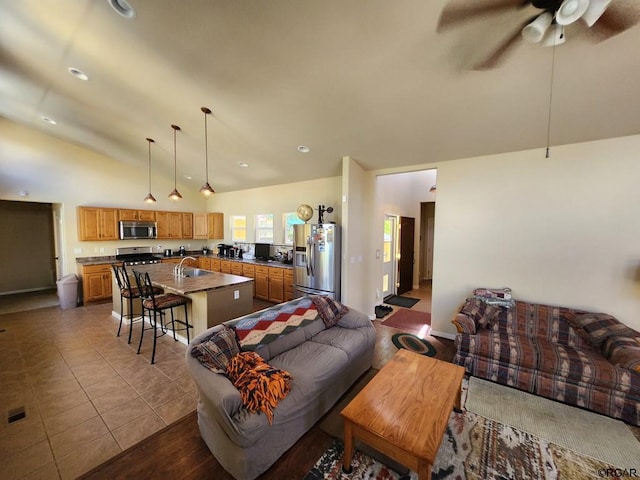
x=555 y=36
x=595 y=11
x=570 y=11
x=534 y=32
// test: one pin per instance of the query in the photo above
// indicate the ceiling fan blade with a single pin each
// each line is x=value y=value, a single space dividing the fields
x=503 y=49
x=461 y=11
x=615 y=20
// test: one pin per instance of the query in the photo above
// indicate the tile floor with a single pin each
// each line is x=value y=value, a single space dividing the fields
x=86 y=394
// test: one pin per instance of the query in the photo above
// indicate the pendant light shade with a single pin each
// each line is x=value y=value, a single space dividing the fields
x=150 y=198
x=175 y=194
x=206 y=189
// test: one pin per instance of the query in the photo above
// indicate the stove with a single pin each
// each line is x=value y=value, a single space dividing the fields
x=136 y=255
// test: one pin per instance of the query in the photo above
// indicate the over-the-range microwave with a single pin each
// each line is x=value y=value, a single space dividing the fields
x=134 y=230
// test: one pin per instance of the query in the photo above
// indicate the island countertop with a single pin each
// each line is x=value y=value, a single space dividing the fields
x=161 y=274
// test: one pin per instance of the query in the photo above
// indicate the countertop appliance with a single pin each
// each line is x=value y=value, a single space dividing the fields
x=182 y=251
x=168 y=252
x=317 y=255
x=136 y=255
x=136 y=230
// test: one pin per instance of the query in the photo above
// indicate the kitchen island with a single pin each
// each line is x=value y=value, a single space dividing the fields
x=215 y=297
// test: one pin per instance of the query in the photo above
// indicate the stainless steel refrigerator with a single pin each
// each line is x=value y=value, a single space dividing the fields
x=316 y=262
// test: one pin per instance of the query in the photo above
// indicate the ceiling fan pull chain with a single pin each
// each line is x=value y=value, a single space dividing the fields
x=553 y=62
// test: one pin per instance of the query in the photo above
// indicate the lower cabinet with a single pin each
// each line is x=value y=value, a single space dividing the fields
x=276 y=285
x=261 y=281
x=96 y=282
x=288 y=285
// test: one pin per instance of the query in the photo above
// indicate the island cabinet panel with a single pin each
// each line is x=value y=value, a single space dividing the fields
x=236 y=268
x=215 y=225
x=95 y=223
x=225 y=266
x=96 y=282
x=137 y=215
x=215 y=264
x=288 y=285
x=262 y=282
x=276 y=285
x=200 y=226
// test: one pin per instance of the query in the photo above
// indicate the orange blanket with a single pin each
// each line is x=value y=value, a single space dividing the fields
x=261 y=386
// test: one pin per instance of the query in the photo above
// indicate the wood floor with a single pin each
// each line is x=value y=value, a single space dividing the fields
x=178 y=451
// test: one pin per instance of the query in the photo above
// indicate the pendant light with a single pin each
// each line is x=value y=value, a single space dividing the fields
x=150 y=198
x=175 y=195
x=206 y=189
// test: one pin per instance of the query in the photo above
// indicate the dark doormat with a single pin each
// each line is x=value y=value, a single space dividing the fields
x=401 y=301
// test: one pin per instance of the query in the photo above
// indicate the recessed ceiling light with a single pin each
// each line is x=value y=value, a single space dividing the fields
x=243 y=164
x=79 y=74
x=188 y=177
x=49 y=120
x=303 y=149
x=123 y=8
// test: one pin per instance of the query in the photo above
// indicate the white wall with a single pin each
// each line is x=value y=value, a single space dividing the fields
x=563 y=230
x=278 y=199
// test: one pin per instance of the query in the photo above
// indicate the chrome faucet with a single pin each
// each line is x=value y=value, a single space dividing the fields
x=178 y=269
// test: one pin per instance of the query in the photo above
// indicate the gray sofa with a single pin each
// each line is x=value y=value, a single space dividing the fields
x=324 y=363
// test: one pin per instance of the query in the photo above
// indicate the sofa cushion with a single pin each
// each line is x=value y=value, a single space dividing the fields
x=483 y=314
x=329 y=309
x=352 y=341
x=499 y=347
x=595 y=328
x=215 y=352
x=623 y=352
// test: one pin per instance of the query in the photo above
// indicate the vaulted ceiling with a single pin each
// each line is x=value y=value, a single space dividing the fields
x=372 y=79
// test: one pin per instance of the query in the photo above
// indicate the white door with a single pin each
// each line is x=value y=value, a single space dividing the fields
x=389 y=265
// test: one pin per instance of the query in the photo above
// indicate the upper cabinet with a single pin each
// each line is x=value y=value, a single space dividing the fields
x=174 y=225
x=137 y=215
x=96 y=223
x=215 y=227
x=208 y=225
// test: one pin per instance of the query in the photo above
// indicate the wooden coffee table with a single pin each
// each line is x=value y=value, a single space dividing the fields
x=403 y=411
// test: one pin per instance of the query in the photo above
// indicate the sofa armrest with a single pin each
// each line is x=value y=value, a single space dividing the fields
x=464 y=324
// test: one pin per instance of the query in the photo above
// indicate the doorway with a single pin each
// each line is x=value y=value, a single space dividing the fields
x=389 y=255
x=406 y=257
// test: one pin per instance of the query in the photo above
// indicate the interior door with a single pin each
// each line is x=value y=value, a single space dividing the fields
x=389 y=266
x=406 y=260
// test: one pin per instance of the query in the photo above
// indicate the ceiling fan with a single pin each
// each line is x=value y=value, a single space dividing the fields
x=602 y=18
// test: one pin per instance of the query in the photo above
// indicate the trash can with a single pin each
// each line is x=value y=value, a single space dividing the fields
x=68 y=291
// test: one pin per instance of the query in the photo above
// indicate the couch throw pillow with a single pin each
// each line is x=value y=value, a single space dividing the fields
x=623 y=352
x=597 y=327
x=483 y=314
x=329 y=309
x=215 y=352
x=495 y=296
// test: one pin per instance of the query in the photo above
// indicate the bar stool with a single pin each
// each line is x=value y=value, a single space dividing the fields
x=129 y=293
x=157 y=305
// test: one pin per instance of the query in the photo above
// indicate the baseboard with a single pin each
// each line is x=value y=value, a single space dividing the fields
x=450 y=336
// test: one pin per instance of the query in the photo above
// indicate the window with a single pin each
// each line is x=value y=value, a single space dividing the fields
x=289 y=220
x=264 y=228
x=238 y=228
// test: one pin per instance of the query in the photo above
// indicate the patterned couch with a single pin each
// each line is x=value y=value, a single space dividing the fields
x=589 y=360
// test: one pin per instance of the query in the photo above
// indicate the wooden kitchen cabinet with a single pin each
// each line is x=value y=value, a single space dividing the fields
x=96 y=282
x=137 y=215
x=175 y=225
x=215 y=225
x=261 y=281
x=215 y=264
x=95 y=223
x=236 y=268
x=204 y=263
x=200 y=226
x=225 y=266
x=288 y=285
x=276 y=285
x=249 y=270
x=162 y=219
x=187 y=225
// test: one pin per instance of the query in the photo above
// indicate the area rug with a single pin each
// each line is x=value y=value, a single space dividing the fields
x=473 y=448
x=413 y=343
x=411 y=321
x=602 y=438
x=401 y=301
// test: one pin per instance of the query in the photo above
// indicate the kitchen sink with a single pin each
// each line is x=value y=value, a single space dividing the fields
x=196 y=272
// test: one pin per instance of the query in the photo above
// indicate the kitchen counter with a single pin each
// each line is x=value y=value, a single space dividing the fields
x=100 y=260
x=215 y=298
